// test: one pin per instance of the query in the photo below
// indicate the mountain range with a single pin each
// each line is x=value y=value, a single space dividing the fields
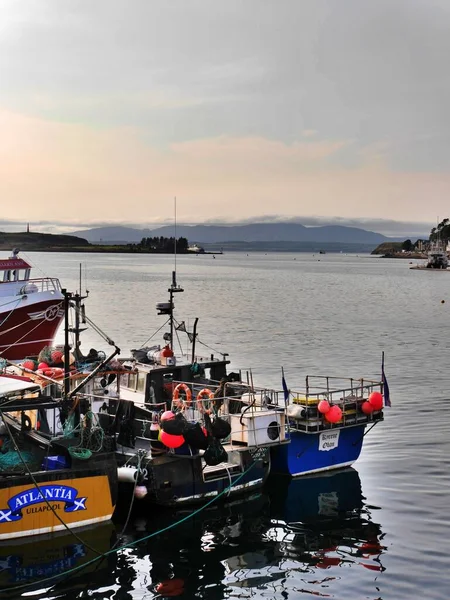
x=223 y=234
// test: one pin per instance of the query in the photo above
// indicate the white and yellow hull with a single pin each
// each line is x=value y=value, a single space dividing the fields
x=56 y=503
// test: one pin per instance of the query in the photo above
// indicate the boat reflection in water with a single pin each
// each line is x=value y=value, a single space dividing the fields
x=30 y=561
x=272 y=543
x=326 y=522
x=299 y=535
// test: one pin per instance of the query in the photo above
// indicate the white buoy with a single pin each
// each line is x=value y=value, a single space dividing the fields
x=127 y=474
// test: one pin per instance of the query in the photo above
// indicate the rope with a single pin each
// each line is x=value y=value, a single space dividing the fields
x=85 y=448
x=10 y=302
x=135 y=542
x=153 y=334
x=16 y=447
x=24 y=335
x=140 y=455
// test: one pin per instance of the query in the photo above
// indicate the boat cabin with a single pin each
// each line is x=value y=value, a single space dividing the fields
x=14 y=269
x=156 y=384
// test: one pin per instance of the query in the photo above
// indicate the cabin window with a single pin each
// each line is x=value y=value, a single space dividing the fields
x=141 y=382
x=132 y=381
x=124 y=380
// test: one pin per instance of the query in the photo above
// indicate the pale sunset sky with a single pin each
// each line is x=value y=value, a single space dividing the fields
x=245 y=110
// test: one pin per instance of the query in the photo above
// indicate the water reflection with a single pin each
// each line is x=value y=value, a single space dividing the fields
x=276 y=543
x=298 y=536
x=323 y=521
x=28 y=562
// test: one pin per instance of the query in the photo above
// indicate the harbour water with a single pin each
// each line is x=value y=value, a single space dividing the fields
x=378 y=531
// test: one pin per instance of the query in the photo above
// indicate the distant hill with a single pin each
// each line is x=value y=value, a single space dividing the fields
x=257 y=232
x=40 y=241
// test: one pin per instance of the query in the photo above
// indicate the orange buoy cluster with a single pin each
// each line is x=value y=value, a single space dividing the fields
x=374 y=402
x=331 y=413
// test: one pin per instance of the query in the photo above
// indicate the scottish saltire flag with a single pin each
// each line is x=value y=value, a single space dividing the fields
x=387 y=399
x=285 y=387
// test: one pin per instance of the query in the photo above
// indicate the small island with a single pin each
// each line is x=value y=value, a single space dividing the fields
x=47 y=242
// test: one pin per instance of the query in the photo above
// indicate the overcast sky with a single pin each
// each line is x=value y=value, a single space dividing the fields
x=314 y=109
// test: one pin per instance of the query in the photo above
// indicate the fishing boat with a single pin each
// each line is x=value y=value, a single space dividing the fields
x=437 y=258
x=184 y=432
x=57 y=466
x=328 y=421
x=320 y=428
x=158 y=403
x=31 y=309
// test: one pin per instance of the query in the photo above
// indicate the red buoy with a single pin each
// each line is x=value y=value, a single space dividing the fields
x=376 y=400
x=334 y=415
x=367 y=408
x=167 y=415
x=171 y=441
x=29 y=364
x=323 y=407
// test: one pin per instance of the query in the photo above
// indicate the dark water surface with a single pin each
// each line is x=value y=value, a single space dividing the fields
x=378 y=531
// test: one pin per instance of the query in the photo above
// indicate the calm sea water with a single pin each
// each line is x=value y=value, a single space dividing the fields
x=378 y=531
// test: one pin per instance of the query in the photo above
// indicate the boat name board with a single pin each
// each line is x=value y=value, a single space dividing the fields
x=62 y=493
x=329 y=440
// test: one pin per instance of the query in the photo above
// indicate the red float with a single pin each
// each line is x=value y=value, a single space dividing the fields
x=57 y=357
x=323 y=407
x=171 y=441
x=376 y=400
x=29 y=364
x=334 y=415
x=168 y=414
x=367 y=408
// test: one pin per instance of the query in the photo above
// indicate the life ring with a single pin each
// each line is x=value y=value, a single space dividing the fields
x=179 y=402
x=204 y=393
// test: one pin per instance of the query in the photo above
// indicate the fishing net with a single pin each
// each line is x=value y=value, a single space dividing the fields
x=45 y=355
x=91 y=437
x=51 y=356
x=10 y=457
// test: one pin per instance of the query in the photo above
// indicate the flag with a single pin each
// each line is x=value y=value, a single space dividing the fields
x=387 y=399
x=285 y=387
x=181 y=326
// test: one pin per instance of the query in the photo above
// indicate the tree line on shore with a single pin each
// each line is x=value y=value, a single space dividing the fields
x=160 y=245
x=440 y=233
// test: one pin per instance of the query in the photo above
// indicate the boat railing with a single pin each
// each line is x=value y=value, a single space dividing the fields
x=43 y=284
x=348 y=394
x=256 y=416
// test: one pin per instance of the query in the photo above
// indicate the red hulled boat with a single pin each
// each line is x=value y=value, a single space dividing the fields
x=30 y=309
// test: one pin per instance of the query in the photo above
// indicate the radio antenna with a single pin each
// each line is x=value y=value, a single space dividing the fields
x=175 y=214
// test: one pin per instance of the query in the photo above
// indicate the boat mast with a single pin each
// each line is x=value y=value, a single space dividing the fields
x=67 y=295
x=79 y=313
x=174 y=288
